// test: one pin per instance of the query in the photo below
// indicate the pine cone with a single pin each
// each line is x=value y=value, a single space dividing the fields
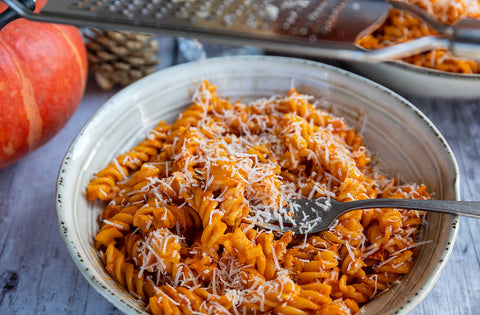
x=120 y=58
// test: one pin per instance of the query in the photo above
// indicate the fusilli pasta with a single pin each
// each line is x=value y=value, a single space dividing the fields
x=176 y=228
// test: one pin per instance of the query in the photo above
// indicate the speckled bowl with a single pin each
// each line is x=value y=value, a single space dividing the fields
x=411 y=80
x=406 y=142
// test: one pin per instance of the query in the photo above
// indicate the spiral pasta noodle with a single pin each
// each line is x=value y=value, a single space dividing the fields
x=401 y=26
x=176 y=229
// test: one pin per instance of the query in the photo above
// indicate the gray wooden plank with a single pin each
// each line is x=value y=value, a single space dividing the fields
x=31 y=244
x=458 y=289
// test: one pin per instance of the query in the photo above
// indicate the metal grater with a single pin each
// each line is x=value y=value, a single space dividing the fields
x=312 y=20
x=326 y=28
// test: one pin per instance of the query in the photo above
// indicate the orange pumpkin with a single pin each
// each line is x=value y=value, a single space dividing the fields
x=43 y=73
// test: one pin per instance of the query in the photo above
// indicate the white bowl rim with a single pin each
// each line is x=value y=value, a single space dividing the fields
x=118 y=301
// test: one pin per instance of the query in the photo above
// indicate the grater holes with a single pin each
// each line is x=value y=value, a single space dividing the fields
x=290 y=20
x=93 y=6
x=308 y=18
x=304 y=18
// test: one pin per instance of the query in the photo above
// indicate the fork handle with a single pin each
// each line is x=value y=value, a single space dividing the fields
x=465 y=208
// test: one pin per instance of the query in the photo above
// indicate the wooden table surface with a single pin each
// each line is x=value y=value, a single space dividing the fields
x=37 y=276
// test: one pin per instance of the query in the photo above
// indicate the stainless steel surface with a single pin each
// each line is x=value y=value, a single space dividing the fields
x=315 y=215
x=335 y=20
x=316 y=28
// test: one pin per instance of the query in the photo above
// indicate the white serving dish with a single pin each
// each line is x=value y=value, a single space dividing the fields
x=403 y=137
x=411 y=80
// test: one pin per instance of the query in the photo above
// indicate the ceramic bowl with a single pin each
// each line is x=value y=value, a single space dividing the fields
x=411 y=80
x=406 y=142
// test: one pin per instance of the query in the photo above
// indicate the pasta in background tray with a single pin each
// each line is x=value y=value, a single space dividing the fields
x=401 y=26
x=171 y=234
x=437 y=73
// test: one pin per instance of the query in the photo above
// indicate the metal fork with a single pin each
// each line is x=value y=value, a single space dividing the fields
x=315 y=215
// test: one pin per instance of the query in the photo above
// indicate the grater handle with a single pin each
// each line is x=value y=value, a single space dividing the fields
x=10 y=14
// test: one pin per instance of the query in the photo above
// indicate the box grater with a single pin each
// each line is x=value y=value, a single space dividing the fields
x=320 y=28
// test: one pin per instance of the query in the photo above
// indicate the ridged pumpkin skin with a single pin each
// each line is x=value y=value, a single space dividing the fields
x=43 y=73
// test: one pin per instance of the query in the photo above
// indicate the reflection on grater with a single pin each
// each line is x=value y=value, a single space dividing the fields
x=301 y=18
x=311 y=27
